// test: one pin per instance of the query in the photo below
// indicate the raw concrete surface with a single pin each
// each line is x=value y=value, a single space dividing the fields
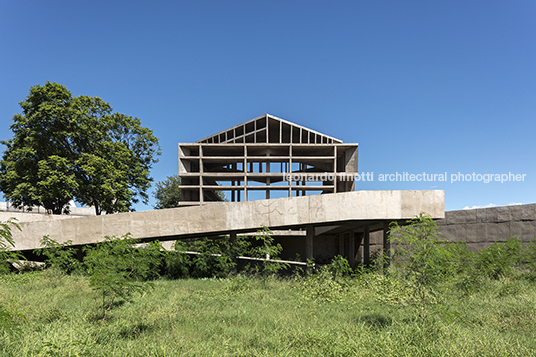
x=221 y=218
x=483 y=226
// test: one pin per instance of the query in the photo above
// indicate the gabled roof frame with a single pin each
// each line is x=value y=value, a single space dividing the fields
x=269 y=129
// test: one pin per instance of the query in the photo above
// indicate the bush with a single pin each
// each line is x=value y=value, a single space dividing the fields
x=339 y=267
x=500 y=258
x=214 y=258
x=59 y=255
x=530 y=255
x=6 y=243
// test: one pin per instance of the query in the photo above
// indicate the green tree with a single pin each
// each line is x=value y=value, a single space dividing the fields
x=168 y=192
x=67 y=147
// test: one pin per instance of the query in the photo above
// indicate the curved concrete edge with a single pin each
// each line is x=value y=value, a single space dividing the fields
x=212 y=219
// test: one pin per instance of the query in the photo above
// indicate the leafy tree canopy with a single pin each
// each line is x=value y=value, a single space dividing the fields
x=168 y=192
x=67 y=147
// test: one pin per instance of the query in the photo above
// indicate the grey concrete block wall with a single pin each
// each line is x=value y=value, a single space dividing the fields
x=483 y=226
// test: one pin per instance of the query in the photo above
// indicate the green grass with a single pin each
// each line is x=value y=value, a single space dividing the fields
x=371 y=315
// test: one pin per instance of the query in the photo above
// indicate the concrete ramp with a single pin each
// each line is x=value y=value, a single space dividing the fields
x=348 y=208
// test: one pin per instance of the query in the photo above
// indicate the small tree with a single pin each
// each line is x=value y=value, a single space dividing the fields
x=268 y=251
x=424 y=258
x=118 y=267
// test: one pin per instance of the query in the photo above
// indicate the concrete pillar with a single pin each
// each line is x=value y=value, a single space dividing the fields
x=309 y=242
x=341 y=244
x=351 y=249
x=366 y=247
x=232 y=237
x=358 y=236
x=386 y=244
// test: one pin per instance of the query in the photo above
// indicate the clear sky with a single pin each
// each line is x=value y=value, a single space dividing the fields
x=423 y=86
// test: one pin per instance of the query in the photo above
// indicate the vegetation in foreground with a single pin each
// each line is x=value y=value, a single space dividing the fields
x=317 y=315
x=438 y=299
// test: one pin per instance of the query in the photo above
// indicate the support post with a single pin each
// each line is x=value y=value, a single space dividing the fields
x=309 y=242
x=358 y=237
x=232 y=238
x=386 y=244
x=366 y=247
x=351 y=249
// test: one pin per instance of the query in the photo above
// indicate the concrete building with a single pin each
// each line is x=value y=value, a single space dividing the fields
x=266 y=157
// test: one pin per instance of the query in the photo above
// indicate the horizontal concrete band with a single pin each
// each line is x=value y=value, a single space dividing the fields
x=220 y=218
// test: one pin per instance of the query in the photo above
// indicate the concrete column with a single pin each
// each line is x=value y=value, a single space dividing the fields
x=232 y=237
x=341 y=244
x=309 y=238
x=351 y=249
x=366 y=247
x=358 y=236
x=386 y=244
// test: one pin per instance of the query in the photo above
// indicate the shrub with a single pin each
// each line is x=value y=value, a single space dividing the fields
x=339 y=267
x=500 y=258
x=269 y=251
x=6 y=243
x=59 y=255
x=530 y=255
x=215 y=258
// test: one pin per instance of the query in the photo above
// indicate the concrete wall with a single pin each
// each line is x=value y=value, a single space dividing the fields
x=481 y=227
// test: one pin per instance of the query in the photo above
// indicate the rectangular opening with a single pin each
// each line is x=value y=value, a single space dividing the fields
x=260 y=136
x=276 y=167
x=296 y=135
x=305 y=137
x=296 y=167
x=223 y=150
x=261 y=123
x=286 y=133
x=250 y=127
x=278 y=193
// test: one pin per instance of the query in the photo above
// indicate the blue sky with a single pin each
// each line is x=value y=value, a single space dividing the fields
x=422 y=86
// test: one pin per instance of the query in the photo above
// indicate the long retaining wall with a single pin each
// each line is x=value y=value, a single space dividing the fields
x=483 y=226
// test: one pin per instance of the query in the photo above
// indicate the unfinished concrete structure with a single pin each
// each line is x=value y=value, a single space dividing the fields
x=266 y=157
x=271 y=171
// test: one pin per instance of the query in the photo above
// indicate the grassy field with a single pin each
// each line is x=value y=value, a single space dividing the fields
x=367 y=315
